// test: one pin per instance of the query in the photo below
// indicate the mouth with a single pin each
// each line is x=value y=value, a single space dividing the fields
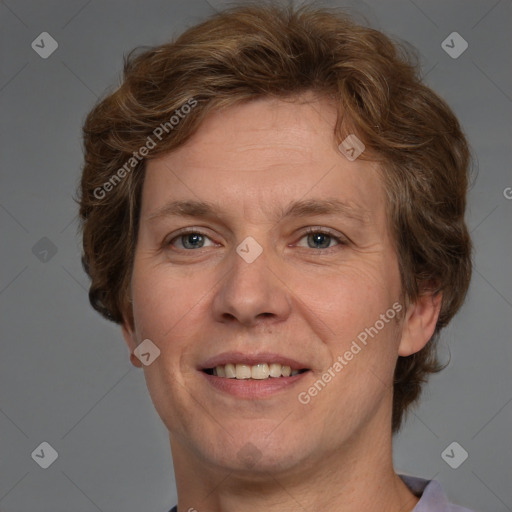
x=258 y=371
x=253 y=376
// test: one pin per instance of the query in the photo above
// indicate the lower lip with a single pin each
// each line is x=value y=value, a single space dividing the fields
x=253 y=388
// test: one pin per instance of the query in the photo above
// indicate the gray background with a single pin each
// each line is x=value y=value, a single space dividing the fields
x=65 y=376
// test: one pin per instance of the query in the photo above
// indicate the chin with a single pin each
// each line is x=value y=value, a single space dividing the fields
x=251 y=462
x=256 y=453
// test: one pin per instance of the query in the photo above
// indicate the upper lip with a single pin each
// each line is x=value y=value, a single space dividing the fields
x=251 y=359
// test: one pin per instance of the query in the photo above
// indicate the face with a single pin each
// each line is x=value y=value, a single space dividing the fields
x=232 y=283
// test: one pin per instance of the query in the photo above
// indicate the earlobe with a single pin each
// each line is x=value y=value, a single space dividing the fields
x=135 y=360
x=131 y=341
x=419 y=323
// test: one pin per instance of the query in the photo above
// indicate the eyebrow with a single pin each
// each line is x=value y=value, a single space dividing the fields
x=298 y=209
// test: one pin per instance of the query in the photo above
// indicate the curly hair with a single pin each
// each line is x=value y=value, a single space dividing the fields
x=253 y=51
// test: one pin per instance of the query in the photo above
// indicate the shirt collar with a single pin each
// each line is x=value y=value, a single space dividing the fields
x=432 y=497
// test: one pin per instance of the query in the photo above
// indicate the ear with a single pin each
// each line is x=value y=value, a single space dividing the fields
x=419 y=323
x=130 y=338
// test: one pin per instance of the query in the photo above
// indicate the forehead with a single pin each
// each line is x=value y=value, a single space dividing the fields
x=292 y=131
x=259 y=157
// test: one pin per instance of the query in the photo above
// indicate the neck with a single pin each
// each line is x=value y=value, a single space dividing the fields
x=357 y=476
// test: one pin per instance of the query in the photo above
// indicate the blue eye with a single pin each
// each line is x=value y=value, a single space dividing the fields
x=316 y=239
x=191 y=239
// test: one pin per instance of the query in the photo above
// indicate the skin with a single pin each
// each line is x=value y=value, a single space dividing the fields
x=301 y=298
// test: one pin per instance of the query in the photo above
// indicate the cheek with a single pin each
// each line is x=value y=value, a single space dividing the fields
x=164 y=307
x=358 y=304
x=163 y=298
x=353 y=293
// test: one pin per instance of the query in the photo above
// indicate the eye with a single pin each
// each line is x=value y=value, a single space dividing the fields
x=190 y=240
x=321 y=239
x=316 y=239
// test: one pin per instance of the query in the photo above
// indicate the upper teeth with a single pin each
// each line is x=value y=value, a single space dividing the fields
x=257 y=371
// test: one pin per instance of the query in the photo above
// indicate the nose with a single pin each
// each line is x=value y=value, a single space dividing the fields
x=252 y=293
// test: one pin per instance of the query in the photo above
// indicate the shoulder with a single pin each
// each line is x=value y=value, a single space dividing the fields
x=432 y=497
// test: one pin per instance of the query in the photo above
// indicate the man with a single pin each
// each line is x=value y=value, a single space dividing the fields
x=273 y=210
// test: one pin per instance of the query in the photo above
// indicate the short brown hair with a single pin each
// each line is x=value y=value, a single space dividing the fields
x=254 y=51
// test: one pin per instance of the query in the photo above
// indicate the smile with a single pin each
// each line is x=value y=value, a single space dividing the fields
x=259 y=371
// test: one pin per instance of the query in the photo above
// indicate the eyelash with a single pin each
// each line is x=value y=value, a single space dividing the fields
x=311 y=230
